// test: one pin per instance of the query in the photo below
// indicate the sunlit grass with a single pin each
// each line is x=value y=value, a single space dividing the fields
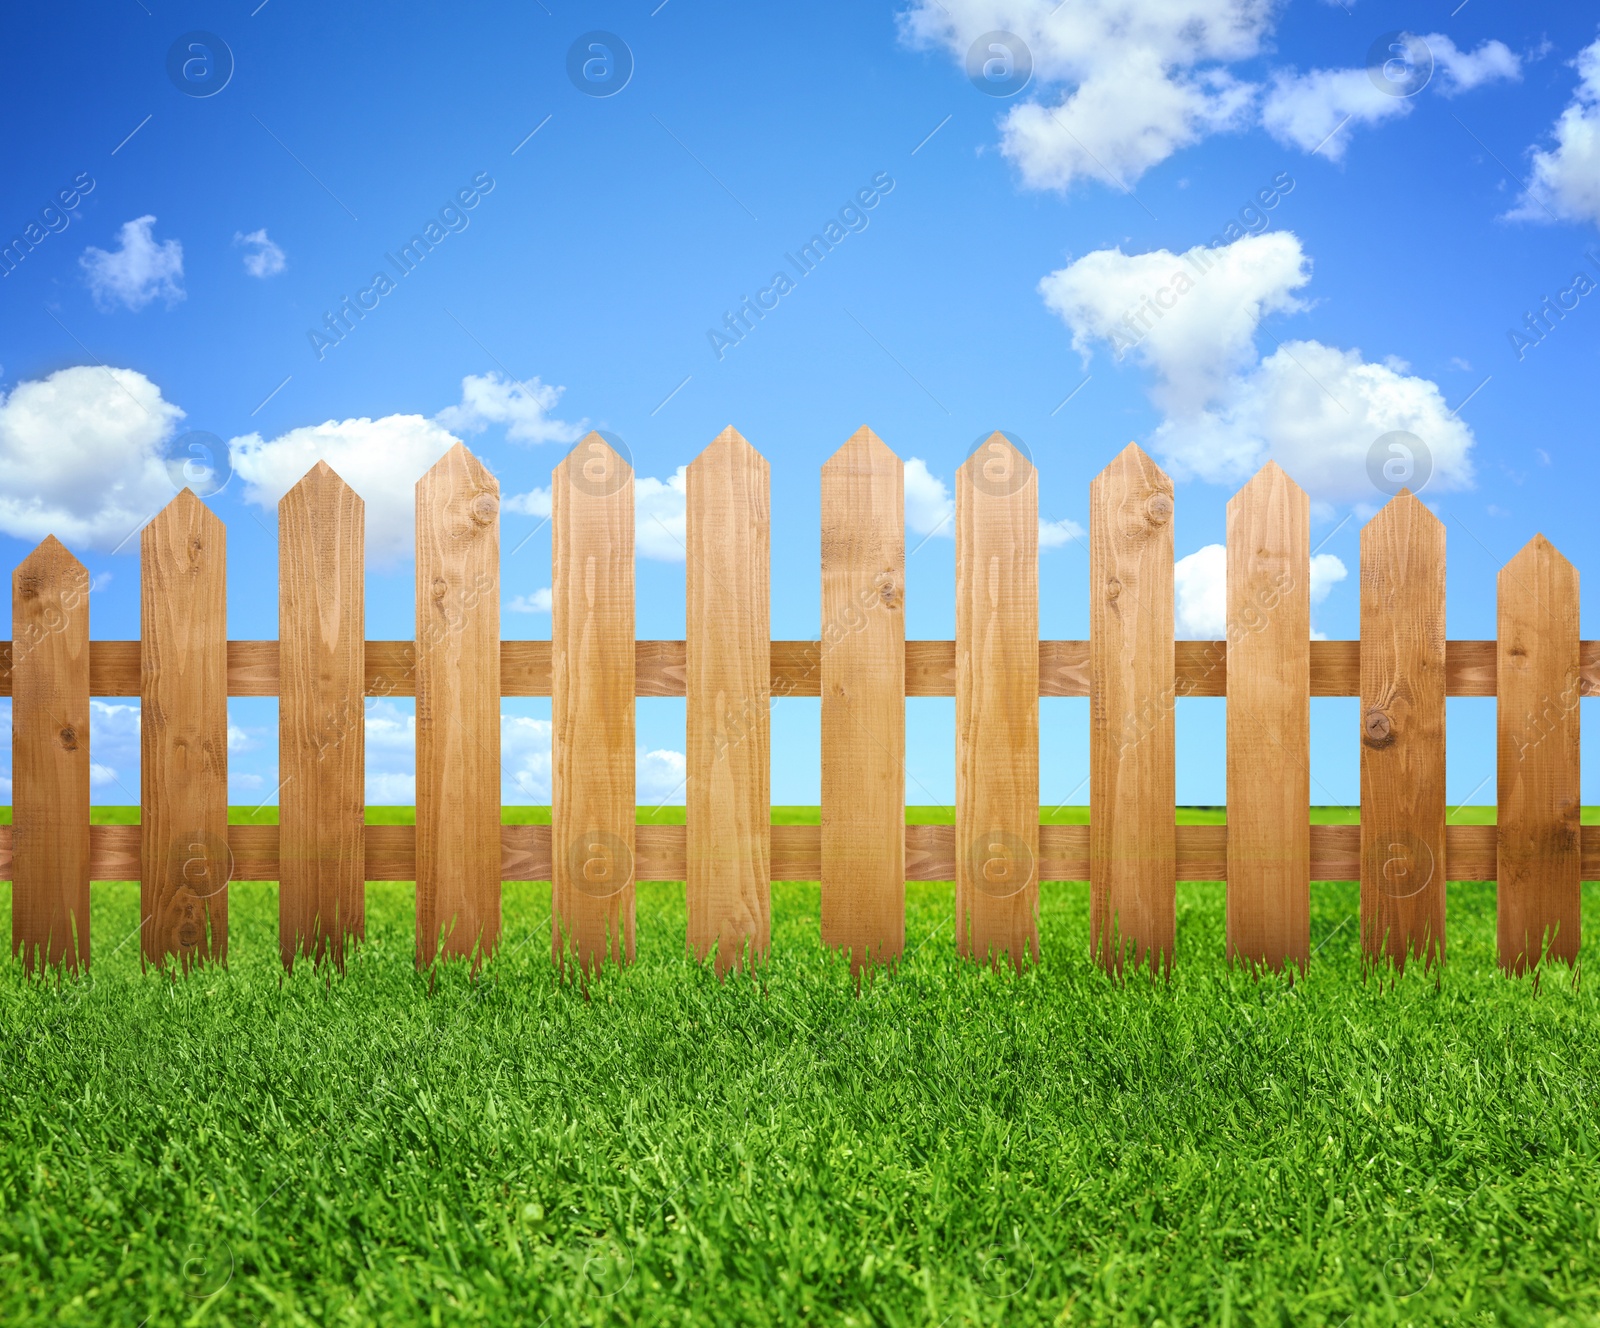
x=950 y=1145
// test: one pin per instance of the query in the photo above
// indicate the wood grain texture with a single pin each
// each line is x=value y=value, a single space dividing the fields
x=321 y=718
x=1269 y=722
x=50 y=760
x=592 y=661
x=864 y=672
x=997 y=705
x=728 y=614
x=1540 y=838
x=1402 y=733
x=1132 y=847
x=183 y=735
x=458 y=709
x=1200 y=668
x=797 y=852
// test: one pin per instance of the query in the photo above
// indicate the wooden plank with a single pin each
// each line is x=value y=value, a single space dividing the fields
x=865 y=673
x=321 y=718
x=1539 y=851
x=728 y=799
x=797 y=852
x=50 y=759
x=592 y=661
x=997 y=705
x=1402 y=733
x=1132 y=845
x=1200 y=668
x=186 y=863
x=458 y=709
x=1269 y=722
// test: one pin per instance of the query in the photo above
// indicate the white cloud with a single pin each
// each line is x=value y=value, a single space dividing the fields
x=660 y=774
x=536 y=502
x=1310 y=111
x=1200 y=584
x=101 y=775
x=538 y=602
x=381 y=459
x=81 y=456
x=1200 y=588
x=142 y=270
x=929 y=506
x=1191 y=317
x=1315 y=409
x=525 y=758
x=1566 y=177
x=1053 y=534
x=1122 y=84
x=262 y=257
x=524 y=408
x=660 y=530
x=1462 y=71
x=391 y=790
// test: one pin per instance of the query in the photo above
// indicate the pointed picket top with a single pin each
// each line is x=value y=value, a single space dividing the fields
x=997 y=467
x=458 y=495
x=1133 y=467
x=729 y=444
x=186 y=516
x=1404 y=506
x=1270 y=479
x=594 y=466
x=319 y=486
x=1136 y=490
x=50 y=558
x=1536 y=552
x=863 y=447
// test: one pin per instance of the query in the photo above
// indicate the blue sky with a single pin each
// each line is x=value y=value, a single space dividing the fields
x=1390 y=189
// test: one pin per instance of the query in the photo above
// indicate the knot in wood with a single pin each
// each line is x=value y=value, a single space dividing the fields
x=69 y=738
x=484 y=507
x=1377 y=728
x=1113 y=588
x=1158 y=507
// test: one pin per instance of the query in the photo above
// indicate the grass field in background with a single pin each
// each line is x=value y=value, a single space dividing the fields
x=950 y=1146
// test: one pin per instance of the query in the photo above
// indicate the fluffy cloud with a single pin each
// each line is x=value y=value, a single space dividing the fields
x=262 y=257
x=380 y=459
x=536 y=502
x=931 y=510
x=1190 y=317
x=81 y=456
x=1566 y=177
x=660 y=775
x=1307 y=111
x=1122 y=83
x=1315 y=409
x=1200 y=587
x=524 y=408
x=538 y=602
x=141 y=271
x=660 y=529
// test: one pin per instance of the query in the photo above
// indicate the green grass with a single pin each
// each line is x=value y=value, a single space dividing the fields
x=950 y=1146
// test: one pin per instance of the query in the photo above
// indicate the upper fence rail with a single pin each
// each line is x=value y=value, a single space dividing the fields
x=184 y=669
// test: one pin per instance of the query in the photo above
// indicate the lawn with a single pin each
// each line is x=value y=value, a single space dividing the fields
x=950 y=1146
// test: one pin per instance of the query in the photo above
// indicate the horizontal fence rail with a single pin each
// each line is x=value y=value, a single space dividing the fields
x=184 y=668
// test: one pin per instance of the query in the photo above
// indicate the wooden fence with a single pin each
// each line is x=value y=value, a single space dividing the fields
x=184 y=669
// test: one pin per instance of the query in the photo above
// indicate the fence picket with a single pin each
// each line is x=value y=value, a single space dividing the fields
x=50 y=759
x=1539 y=850
x=321 y=718
x=1402 y=733
x=183 y=735
x=1269 y=722
x=997 y=705
x=1132 y=791
x=863 y=685
x=458 y=709
x=592 y=701
x=728 y=712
